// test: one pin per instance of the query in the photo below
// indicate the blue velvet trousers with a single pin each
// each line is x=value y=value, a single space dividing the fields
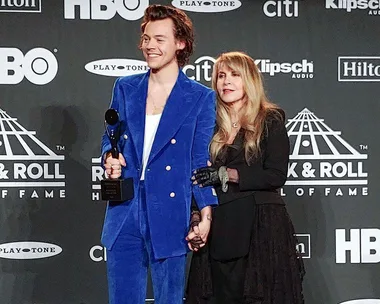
x=130 y=257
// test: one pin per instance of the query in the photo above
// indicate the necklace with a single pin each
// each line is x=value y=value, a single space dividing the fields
x=235 y=124
x=157 y=109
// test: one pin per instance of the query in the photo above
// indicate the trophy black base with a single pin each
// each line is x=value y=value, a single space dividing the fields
x=117 y=189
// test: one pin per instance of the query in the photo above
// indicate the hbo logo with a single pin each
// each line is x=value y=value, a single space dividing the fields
x=38 y=65
x=105 y=9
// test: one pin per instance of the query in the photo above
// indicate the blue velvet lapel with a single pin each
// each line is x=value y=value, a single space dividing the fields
x=181 y=101
x=135 y=113
x=179 y=104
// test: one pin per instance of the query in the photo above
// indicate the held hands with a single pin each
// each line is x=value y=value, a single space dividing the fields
x=199 y=229
x=113 y=165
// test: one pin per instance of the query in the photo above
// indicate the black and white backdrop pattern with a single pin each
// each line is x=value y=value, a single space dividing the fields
x=58 y=61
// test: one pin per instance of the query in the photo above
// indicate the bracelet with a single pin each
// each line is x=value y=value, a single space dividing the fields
x=223 y=176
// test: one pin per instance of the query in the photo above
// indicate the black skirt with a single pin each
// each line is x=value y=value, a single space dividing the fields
x=275 y=270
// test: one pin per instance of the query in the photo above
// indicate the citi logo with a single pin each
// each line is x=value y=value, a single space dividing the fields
x=303 y=69
x=348 y=5
x=362 y=301
x=28 y=250
x=104 y=9
x=26 y=6
x=116 y=67
x=201 y=70
x=285 y=8
x=304 y=245
x=362 y=245
x=98 y=253
x=38 y=65
x=212 y=6
x=359 y=68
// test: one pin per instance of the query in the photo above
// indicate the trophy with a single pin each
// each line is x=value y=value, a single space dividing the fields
x=115 y=189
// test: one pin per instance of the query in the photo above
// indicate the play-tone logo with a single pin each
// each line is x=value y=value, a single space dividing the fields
x=285 y=8
x=319 y=156
x=105 y=9
x=28 y=168
x=28 y=250
x=363 y=245
x=39 y=66
x=373 y=6
x=208 y=6
x=304 y=245
x=20 y=6
x=359 y=68
x=116 y=67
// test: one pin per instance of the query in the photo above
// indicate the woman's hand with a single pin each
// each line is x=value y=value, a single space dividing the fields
x=206 y=176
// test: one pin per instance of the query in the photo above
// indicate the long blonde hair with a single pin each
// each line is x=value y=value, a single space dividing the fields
x=255 y=108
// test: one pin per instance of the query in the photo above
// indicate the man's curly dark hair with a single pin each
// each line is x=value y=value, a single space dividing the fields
x=183 y=28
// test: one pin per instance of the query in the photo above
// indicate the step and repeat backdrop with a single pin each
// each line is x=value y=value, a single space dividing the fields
x=58 y=62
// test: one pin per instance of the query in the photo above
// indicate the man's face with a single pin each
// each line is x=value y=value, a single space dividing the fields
x=159 y=45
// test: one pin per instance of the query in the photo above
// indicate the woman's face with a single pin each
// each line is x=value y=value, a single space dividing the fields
x=229 y=85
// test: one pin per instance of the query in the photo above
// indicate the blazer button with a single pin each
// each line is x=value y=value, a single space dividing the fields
x=168 y=168
x=172 y=194
x=125 y=136
x=173 y=141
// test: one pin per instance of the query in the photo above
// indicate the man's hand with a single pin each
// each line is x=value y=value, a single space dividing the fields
x=113 y=165
x=198 y=234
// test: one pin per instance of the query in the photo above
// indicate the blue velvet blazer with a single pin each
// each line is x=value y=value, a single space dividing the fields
x=180 y=146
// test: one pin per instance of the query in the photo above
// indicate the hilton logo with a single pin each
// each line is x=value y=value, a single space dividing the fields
x=26 y=6
x=359 y=68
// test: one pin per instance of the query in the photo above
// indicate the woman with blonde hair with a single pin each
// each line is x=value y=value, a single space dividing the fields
x=251 y=255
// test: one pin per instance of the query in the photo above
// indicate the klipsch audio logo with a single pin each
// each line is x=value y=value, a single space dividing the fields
x=39 y=66
x=298 y=70
x=304 y=245
x=25 y=6
x=321 y=157
x=28 y=250
x=28 y=168
x=359 y=68
x=285 y=8
x=362 y=245
x=105 y=9
x=201 y=70
x=116 y=67
x=373 y=6
x=363 y=301
x=208 y=6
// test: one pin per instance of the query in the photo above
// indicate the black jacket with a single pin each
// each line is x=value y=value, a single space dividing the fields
x=251 y=220
x=258 y=184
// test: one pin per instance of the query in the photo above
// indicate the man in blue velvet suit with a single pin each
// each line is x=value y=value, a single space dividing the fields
x=167 y=121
